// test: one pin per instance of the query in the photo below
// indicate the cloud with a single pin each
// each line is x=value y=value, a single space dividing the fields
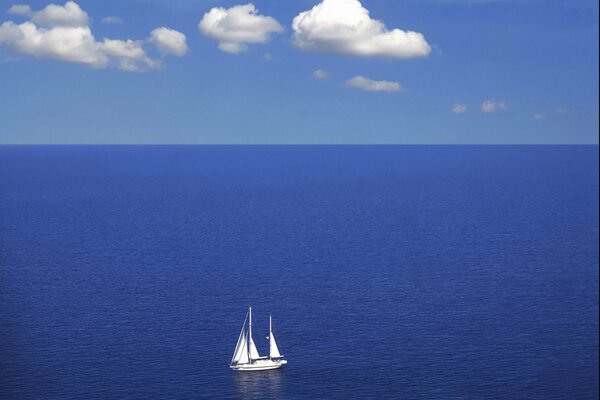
x=492 y=106
x=459 y=108
x=320 y=74
x=538 y=116
x=70 y=44
x=362 y=83
x=62 y=33
x=128 y=55
x=169 y=41
x=112 y=20
x=237 y=27
x=562 y=111
x=20 y=9
x=69 y=15
x=345 y=27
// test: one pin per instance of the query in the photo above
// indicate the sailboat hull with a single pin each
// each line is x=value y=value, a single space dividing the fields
x=260 y=365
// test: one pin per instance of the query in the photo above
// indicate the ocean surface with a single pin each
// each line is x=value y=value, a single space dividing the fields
x=392 y=272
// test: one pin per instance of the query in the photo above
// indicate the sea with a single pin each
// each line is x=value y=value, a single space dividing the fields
x=391 y=272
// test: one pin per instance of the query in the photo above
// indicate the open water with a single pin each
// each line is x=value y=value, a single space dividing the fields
x=392 y=272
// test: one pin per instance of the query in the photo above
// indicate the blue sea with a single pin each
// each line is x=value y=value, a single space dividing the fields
x=392 y=272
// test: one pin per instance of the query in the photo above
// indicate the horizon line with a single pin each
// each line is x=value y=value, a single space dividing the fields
x=298 y=144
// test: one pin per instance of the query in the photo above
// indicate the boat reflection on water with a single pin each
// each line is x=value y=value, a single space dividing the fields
x=260 y=384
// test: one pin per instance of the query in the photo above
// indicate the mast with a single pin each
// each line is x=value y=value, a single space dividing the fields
x=270 y=335
x=250 y=337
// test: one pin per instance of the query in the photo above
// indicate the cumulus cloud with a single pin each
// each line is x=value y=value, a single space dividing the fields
x=237 y=27
x=459 y=108
x=345 y=27
x=169 y=41
x=70 y=44
x=112 y=20
x=69 y=15
x=362 y=83
x=20 y=9
x=492 y=106
x=128 y=55
x=62 y=33
x=320 y=74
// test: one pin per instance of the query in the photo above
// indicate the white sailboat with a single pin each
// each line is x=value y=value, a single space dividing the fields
x=246 y=356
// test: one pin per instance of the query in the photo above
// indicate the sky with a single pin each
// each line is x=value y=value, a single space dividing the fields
x=299 y=72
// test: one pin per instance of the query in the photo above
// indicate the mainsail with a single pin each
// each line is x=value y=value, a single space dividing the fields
x=253 y=350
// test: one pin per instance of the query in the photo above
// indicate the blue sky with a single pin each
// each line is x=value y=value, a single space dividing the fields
x=470 y=72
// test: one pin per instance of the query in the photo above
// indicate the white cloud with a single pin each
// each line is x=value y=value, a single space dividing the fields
x=128 y=55
x=169 y=41
x=70 y=44
x=112 y=20
x=459 y=108
x=236 y=27
x=61 y=33
x=320 y=74
x=20 y=9
x=562 y=111
x=538 y=116
x=362 y=83
x=69 y=15
x=345 y=27
x=491 y=106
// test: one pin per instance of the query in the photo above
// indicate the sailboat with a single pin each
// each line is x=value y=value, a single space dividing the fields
x=246 y=357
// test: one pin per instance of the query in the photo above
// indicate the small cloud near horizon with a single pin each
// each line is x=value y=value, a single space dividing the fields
x=320 y=74
x=370 y=85
x=492 y=106
x=112 y=20
x=459 y=108
x=20 y=9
